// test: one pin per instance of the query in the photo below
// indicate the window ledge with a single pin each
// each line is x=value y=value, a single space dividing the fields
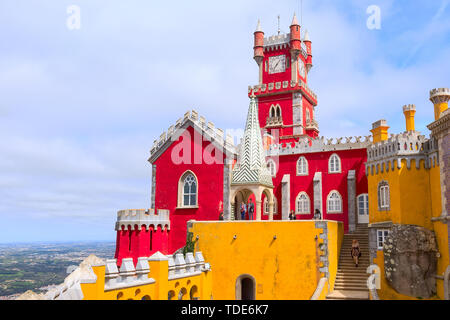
x=334 y=172
x=302 y=174
x=339 y=212
x=190 y=207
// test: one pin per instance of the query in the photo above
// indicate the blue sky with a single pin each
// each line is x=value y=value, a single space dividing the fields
x=79 y=109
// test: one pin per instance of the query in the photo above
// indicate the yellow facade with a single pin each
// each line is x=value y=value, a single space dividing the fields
x=189 y=287
x=414 y=193
x=283 y=257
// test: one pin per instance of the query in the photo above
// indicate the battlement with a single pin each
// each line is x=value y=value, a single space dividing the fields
x=209 y=132
x=128 y=275
x=440 y=95
x=275 y=87
x=308 y=145
x=180 y=266
x=142 y=217
x=408 y=145
x=409 y=107
x=280 y=41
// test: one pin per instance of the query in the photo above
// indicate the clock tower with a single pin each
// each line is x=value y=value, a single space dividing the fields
x=286 y=104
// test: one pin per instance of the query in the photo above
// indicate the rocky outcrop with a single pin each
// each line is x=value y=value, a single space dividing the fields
x=30 y=295
x=410 y=260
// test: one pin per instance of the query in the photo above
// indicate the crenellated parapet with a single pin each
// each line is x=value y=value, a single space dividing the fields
x=142 y=217
x=410 y=145
x=281 y=41
x=128 y=275
x=308 y=145
x=182 y=266
x=284 y=86
x=208 y=130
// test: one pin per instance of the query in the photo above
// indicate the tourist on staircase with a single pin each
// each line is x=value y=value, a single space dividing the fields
x=251 y=209
x=355 y=252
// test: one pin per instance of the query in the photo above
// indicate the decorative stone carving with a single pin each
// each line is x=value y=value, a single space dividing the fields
x=410 y=260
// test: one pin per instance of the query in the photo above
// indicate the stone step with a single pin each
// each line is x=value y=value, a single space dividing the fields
x=352 y=270
x=357 y=282
x=353 y=288
x=351 y=278
x=347 y=295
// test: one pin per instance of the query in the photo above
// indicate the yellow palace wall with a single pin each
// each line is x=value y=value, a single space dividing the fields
x=285 y=267
x=415 y=197
x=159 y=290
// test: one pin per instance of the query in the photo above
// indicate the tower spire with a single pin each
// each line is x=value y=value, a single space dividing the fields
x=252 y=167
x=279 y=30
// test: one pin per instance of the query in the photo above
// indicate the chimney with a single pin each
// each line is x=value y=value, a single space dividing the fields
x=379 y=131
x=409 y=111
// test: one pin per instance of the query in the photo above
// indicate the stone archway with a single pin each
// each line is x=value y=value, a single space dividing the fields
x=245 y=287
x=247 y=191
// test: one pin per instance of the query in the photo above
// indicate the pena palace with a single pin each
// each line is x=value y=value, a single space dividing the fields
x=390 y=192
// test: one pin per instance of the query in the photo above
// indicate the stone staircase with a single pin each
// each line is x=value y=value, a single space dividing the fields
x=351 y=281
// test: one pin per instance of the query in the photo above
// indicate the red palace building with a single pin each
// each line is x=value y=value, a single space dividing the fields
x=281 y=164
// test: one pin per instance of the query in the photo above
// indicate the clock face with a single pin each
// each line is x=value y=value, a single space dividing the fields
x=301 y=68
x=277 y=64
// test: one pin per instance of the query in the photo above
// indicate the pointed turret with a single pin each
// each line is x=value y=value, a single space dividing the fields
x=258 y=44
x=296 y=42
x=252 y=168
x=307 y=42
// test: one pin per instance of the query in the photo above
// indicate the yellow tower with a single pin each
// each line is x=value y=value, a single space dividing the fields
x=379 y=131
x=440 y=98
x=409 y=111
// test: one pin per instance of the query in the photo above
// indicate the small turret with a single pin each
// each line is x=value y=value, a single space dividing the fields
x=307 y=42
x=380 y=131
x=295 y=40
x=440 y=98
x=409 y=112
x=259 y=44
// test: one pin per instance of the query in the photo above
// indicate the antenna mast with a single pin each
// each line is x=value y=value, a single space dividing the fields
x=279 y=24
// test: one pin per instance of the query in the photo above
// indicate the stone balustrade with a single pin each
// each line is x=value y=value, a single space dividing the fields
x=273 y=87
x=184 y=266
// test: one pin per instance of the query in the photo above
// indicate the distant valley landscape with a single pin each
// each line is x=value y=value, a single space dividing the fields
x=39 y=266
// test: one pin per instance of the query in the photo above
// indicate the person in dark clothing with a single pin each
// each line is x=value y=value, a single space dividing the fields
x=317 y=215
x=292 y=215
x=251 y=210
x=221 y=215
x=243 y=211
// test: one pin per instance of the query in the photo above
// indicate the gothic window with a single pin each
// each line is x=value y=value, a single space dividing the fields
x=302 y=166
x=272 y=111
x=334 y=202
x=383 y=196
x=334 y=164
x=308 y=117
x=278 y=111
x=266 y=206
x=272 y=167
x=303 y=204
x=187 y=190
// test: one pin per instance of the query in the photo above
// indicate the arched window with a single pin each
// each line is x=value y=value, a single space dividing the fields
x=266 y=206
x=334 y=202
x=272 y=167
x=187 y=190
x=334 y=164
x=302 y=166
x=302 y=204
x=278 y=111
x=383 y=196
x=308 y=117
x=272 y=111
